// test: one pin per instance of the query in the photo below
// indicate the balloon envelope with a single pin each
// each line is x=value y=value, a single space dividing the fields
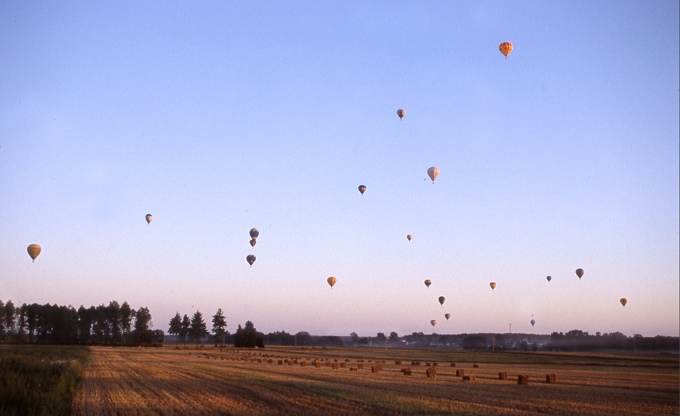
x=433 y=172
x=253 y=242
x=433 y=322
x=441 y=300
x=331 y=281
x=254 y=233
x=401 y=113
x=493 y=285
x=505 y=48
x=447 y=316
x=532 y=322
x=362 y=189
x=34 y=251
x=623 y=301
x=148 y=217
x=409 y=237
x=250 y=258
x=428 y=282
x=579 y=273
x=549 y=278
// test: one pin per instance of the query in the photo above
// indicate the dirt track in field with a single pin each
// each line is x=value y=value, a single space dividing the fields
x=166 y=381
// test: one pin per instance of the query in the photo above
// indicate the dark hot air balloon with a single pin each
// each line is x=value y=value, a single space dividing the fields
x=250 y=258
x=362 y=189
x=148 y=217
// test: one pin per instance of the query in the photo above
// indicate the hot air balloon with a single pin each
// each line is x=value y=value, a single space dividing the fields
x=447 y=316
x=492 y=285
x=433 y=173
x=401 y=113
x=623 y=301
x=428 y=282
x=331 y=281
x=533 y=322
x=433 y=322
x=441 y=300
x=253 y=242
x=148 y=217
x=34 y=251
x=505 y=48
x=254 y=233
x=362 y=189
x=409 y=237
x=549 y=278
x=579 y=273
x=250 y=258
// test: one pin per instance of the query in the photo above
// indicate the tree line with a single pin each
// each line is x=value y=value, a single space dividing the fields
x=112 y=324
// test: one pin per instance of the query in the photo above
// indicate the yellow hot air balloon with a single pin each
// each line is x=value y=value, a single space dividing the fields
x=254 y=233
x=362 y=189
x=148 y=217
x=331 y=281
x=34 y=251
x=493 y=285
x=433 y=322
x=401 y=113
x=623 y=301
x=505 y=48
x=250 y=258
x=441 y=300
x=409 y=237
x=428 y=282
x=579 y=273
x=433 y=172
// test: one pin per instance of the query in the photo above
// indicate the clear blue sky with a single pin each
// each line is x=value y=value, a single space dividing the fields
x=217 y=117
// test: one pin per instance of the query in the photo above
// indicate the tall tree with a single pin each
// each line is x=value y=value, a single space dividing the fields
x=8 y=318
x=248 y=337
x=2 y=321
x=219 y=325
x=113 y=316
x=186 y=326
x=198 y=328
x=127 y=314
x=143 y=326
x=175 y=326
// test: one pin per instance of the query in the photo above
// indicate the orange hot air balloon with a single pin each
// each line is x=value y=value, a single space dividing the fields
x=253 y=242
x=493 y=285
x=331 y=281
x=441 y=300
x=428 y=282
x=433 y=322
x=148 y=217
x=34 y=251
x=623 y=301
x=250 y=258
x=409 y=237
x=362 y=189
x=549 y=278
x=447 y=316
x=433 y=172
x=253 y=233
x=505 y=48
x=579 y=273
x=401 y=113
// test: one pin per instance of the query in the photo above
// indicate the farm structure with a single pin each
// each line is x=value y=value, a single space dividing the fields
x=169 y=381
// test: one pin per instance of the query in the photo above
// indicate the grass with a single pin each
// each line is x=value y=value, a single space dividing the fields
x=39 y=380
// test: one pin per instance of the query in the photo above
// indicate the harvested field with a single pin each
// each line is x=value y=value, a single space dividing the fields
x=166 y=381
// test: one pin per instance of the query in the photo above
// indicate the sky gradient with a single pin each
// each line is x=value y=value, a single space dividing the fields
x=218 y=117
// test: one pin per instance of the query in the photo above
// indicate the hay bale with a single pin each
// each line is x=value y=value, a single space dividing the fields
x=398 y=362
x=360 y=366
x=468 y=378
x=317 y=364
x=551 y=378
x=280 y=362
x=453 y=364
x=502 y=375
x=431 y=372
x=335 y=366
x=303 y=363
x=406 y=371
x=343 y=365
x=475 y=365
x=523 y=379
x=374 y=369
x=460 y=373
x=427 y=364
x=352 y=369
